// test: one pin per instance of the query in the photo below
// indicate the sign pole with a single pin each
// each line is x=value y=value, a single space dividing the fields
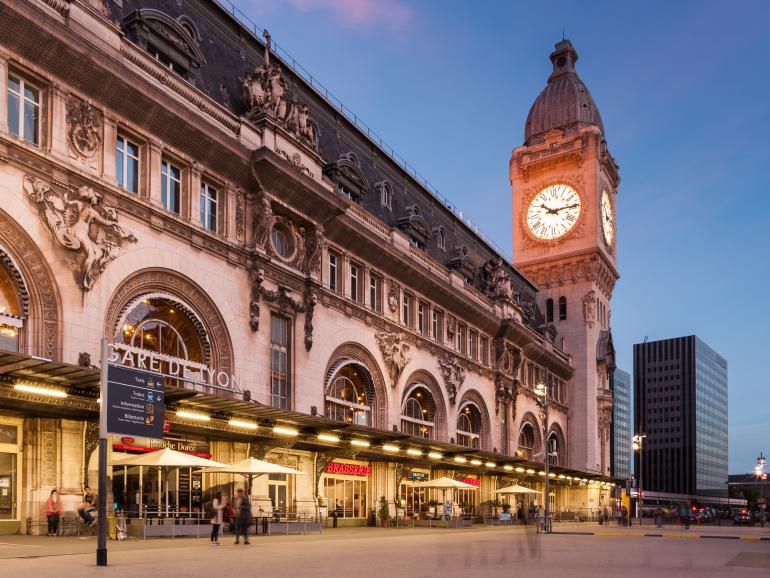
x=101 y=544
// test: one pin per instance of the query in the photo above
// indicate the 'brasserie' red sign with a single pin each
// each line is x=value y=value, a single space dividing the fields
x=348 y=469
x=472 y=481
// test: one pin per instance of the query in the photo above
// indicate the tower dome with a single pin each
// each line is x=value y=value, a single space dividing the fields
x=565 y=102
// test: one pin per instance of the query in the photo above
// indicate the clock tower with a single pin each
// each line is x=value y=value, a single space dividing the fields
x=564 y=183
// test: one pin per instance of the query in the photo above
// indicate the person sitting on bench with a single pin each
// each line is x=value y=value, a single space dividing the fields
x=87 y=507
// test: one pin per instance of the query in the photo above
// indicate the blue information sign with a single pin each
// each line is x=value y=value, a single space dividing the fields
x=135 y=402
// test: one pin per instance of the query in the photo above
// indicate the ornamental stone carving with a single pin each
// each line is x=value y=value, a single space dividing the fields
x=392 y=296
x=508 y=357
x=81 y=223
x=262 y=221
x=256 y=276
x=84 y=127
x=265 y=92
x=451 y=327
x=240 y=215
x=452 y=373
x=311 y=298
x=605 y=421
x=498 y=284
x=589 y=308
x=313 y=252
x=394 y=349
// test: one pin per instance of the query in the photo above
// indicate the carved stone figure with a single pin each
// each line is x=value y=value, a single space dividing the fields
x=240 y=215
x=605 y=421
x=263 y=220
x=256 y=276
x=452 y=373
x=508 y=357
x=589 y=308
x=311 y=298
x=84 y=127
x=394 y=350
x=498 y=279
x=549 y=330
x=81 y=223
x=299 y=253
x=451 y=327
x=313 y=253
x=392 y=296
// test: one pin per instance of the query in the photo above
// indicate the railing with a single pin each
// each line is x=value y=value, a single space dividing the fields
x=324 y=93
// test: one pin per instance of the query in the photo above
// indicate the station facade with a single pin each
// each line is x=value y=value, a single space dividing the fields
x=171 y=184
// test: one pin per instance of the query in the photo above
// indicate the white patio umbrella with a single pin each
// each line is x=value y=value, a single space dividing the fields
x=250 y=468
x=168 y=458
x=445 y=484
x=516 y=489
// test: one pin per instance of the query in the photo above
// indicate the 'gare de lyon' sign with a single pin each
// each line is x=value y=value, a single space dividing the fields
x=173 y=367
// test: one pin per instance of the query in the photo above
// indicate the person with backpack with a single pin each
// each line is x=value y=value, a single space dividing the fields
x=245 y=519
x=217 y=506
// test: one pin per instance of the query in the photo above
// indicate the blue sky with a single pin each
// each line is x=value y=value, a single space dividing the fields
x=684 y=92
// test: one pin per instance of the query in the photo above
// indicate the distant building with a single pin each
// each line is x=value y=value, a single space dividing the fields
x=680 y=395
x=621 y=425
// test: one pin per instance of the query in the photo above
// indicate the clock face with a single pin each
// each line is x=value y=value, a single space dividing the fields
x=608 y=218
x=554 y=211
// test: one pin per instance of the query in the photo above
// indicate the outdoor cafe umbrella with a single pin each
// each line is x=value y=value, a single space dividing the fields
x=445 y=484
x=251 y=468
x=168 y=458
x=516 y=489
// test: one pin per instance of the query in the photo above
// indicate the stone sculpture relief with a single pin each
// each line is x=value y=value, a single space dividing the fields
x=392 y=296
x=605 y=421
x=394 y=349
x=256 y=277
x=240 y=215
x=498 y=284
x=452 y=373
x=84 y=127
x=311 y=298
x=265 y=92
x=262 y=221
x=451 y=327
x=508 y=358
x=81 y=223
x=589 y=308
x=313 y=253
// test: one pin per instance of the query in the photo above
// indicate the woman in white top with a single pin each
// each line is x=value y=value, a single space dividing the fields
x=216 y=519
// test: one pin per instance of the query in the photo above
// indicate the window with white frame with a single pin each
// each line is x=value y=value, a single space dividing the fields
x=332 y=271
x=375 y=284
x=23 y=109
x=127 y=164
x=170 y=187
x=355 y=274
x=484 y=350
x=208 y=207
x=407 y=310
x=474 y=345
x=422 y=311
x=469 y=426
x=280 y=393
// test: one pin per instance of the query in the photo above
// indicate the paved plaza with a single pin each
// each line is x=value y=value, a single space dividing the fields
x=376 y=552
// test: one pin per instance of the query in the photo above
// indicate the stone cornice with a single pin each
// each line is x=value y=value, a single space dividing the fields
x=590 y=265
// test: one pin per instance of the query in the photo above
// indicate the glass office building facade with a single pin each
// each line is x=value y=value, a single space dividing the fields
x=621 y=425
x=710 y=420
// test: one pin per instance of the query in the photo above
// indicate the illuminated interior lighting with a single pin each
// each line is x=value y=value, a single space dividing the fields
x=328 y=438
x=360 y=443
x=508 y=468
x=243 y=424
x=520 y=470
x=435 y=456
x=413 y=452
x=390 y=448
x=562 y=476
x=39 y=390
x=286 y=431
x=490 y=464
x=541 y=473
x=460 y=459
x=192 y=415
x=476 y=462
x=551 y=475
x=530 y=471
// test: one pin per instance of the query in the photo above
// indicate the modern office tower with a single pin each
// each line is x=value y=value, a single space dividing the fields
x=621 y=425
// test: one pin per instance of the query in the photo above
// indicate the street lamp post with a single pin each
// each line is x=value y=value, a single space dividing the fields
x=541 y=391
x=638 y=445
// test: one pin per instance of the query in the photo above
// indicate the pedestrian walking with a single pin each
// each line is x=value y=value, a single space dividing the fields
x=540 y=520
x=658 y=517
x=217 y=509
x=53 y=512
x=245 y=519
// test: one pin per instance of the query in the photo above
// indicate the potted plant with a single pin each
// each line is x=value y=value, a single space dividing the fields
x=384 y=511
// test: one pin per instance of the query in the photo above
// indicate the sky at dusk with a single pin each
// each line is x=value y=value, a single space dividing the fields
x=684 y=92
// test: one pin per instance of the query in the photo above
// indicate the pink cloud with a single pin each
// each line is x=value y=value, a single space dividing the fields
x=388 y=13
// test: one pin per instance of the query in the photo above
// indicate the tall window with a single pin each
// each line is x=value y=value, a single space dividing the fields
x=484 y=350
x=208 y=204
x=562 y=308
x=374 y=292
x=279 y=361
x=526 y=441
x=474 y=345
x=355 y=272
x=127 y=164
x=350 y=396
x=170 y=187
x=418 y=413
x=435 y=326
x=23 y=109
x=407 y=310
x=462 y=339
x=441 y=238
x=332 y=270
x=421 y=312
x=11 y=320
x=549 y=310
x=469 y=426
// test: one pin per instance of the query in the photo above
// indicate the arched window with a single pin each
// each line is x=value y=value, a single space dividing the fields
x=526 y=441
x=350 y=396
x=562 y=308
x=166 y=326
x=549 y=310
x=441 y=238
x=418 y=413
x=11 y=315
x=469 y=426
x=553 y=449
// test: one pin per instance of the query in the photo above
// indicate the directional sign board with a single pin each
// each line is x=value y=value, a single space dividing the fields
x=135 y=402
